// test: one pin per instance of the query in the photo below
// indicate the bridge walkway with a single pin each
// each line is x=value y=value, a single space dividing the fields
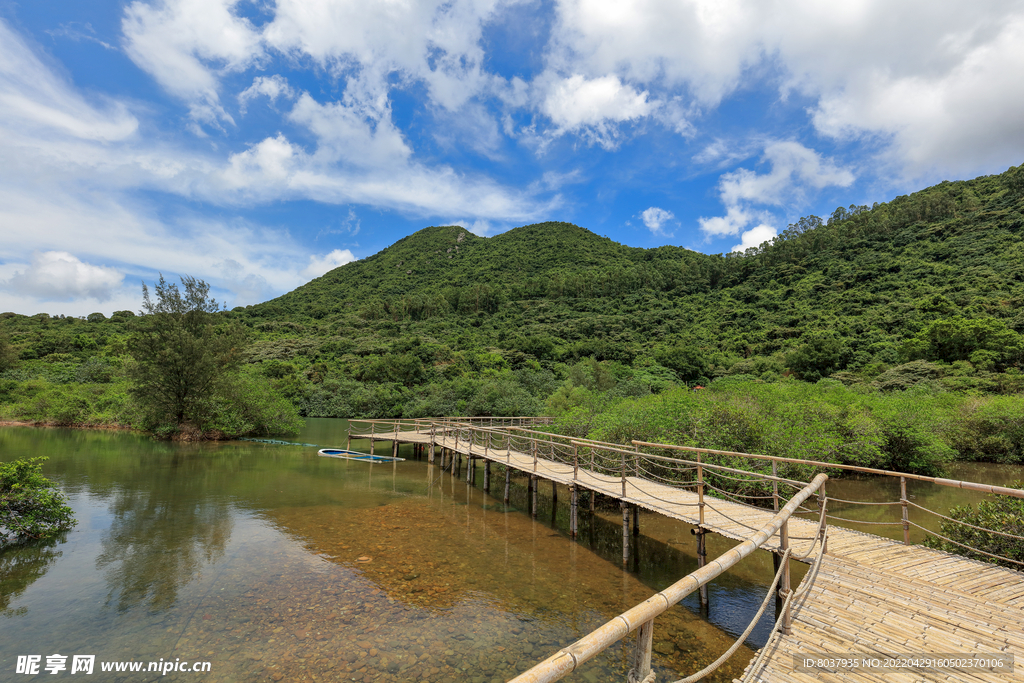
x=872 y=595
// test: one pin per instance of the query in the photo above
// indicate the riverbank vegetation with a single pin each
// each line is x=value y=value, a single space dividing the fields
x=910 y=311
x=31 y=507
x=995 y=527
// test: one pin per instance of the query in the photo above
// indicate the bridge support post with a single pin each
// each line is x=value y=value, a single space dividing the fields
x=641 y=665
x=636 y=520
x=470 y=469
x=702 y=560
x=625 y=531
x=554 y=494
x=508 y=482
x=371 y=445
x=573 y=510
x=533 y=495
x=593 y=500
x=394 y=449
x=487 y=476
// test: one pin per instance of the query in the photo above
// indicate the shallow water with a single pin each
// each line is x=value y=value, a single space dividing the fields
x=274 y=564
x=248 y=556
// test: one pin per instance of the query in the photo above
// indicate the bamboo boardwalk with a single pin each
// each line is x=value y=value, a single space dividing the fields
x=729 y=519
x=872 y=595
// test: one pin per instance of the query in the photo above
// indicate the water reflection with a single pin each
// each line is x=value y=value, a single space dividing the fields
x=21 y=565
x=157 y=543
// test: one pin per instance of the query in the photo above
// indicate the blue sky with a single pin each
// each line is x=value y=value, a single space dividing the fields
x=258 y=144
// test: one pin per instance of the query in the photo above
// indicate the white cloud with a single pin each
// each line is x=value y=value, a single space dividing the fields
x=270 y=87
x=935 y=83
x=57 y=275
x=187 y=44
x=794 y=168
x=319 y=265
x=755 y=237
x=731 y=223
x=966 y=115
x=33 y=99
x=361 y=158
x=577 y=103
x=655 y=220
x=363 y=136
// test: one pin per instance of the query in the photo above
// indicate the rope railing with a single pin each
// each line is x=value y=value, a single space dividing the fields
x=613 y=461
x=972 y=549
x=641 y=617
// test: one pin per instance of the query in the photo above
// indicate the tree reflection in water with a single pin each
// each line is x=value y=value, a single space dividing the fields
x=23 y=564
x=160 y=541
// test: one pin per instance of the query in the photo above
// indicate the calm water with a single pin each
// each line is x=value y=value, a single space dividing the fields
x=274 y=564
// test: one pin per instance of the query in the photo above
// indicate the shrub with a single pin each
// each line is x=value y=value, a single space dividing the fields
x=30 y=505
x=1003 y=514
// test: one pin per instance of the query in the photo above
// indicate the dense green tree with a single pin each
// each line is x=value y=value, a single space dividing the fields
x=180 y=354
x=986 y=342
x=688 y=362
x=8 y=356
x=821 y=354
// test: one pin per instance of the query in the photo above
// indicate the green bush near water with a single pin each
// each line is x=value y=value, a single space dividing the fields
x=998 y=513
x=31 y=507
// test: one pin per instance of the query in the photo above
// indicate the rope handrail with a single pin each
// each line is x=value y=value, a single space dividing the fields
x=974 y=550
x=569 y=658
x=977 y=528
x=765 y=477
x=860 y=521
x=973 y=486
x=864 y=502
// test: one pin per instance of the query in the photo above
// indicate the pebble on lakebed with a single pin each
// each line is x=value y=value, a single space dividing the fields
x=411 y=615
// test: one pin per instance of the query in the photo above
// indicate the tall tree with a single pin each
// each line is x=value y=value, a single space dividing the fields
x=180 y=353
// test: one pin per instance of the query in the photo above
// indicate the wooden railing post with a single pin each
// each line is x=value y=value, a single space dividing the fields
x=784 y=582
x=575 y=461
x=700 y=490
x=348 y=441
x=702 y=559
x=622 y=470
x=642 y=652
x=534 y=442
x=906 y=511
x=372 y=425
x=775 y=486
x=823 y=507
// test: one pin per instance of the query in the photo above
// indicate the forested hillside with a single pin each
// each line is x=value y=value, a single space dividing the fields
x=937 y=276
x=924 y=291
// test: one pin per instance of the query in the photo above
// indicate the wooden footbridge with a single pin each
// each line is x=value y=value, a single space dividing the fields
x=865 y=602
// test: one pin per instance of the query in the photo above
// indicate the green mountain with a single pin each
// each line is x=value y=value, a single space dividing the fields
x=864 y=290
